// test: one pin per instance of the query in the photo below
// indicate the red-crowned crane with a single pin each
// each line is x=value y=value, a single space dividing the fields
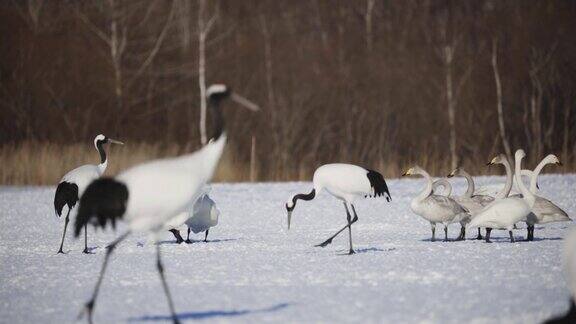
x=347 y=182
x=150 y=195
x=73 y=184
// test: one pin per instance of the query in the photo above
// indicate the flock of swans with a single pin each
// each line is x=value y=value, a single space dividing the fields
x=502 y=211
x=161 y=195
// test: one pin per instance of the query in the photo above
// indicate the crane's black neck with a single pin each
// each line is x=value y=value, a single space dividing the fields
x=309 y=196
x=214 y=104
x=100 y=147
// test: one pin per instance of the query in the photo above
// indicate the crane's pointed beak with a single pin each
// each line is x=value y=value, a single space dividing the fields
x=489 y=163
x=289 y=219
x=113 y=141
x=560 y=163
x=244 y=102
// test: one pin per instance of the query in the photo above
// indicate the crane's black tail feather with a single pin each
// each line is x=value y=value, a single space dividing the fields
x=66 y=194
x=103 y=201
x=378 y=183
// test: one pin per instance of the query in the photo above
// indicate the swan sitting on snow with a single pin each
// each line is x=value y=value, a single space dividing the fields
x=435 y=208
x=504 y=213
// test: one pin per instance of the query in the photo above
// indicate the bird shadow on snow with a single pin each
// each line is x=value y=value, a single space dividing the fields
x=209 y=314
x=366 y=250
x=195 y=241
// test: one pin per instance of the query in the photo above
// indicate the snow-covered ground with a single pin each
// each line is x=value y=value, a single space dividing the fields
x=253 y=270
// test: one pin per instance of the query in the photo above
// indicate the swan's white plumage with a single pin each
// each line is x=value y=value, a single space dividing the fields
x=435 y=208
x=203 y=215
x=504 y=213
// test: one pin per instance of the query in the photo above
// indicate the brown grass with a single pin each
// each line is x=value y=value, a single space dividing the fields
x=35 y=163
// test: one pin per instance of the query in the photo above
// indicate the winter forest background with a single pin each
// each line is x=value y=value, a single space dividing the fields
x=382 y=84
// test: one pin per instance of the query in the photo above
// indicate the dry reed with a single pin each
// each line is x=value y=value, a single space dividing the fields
x=35 y=163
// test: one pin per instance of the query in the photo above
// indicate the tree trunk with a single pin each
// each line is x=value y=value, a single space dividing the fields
x=202 y=69
x=499 y=105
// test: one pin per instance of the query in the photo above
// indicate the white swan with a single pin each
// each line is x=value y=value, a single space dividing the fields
x=474 y=203
x=505 y=212
x=544 y=211
x=435 y=208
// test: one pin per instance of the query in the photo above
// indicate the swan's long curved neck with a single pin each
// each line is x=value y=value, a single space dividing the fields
x=428 y=189
x=526 y=194
x=470 y=190
x=535 y=174
x=508 y=186
x=103 y=158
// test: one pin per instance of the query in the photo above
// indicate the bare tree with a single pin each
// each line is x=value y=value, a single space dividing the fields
x=204 y=29
x=368 y=18
x=499 y=107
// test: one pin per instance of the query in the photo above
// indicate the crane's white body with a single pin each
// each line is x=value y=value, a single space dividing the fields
x=163 y=190
x=82 y=176
x=346 y=182
x=505 y=212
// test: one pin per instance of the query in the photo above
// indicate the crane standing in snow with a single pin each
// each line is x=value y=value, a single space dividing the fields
x=73 y=184
x=150 y=195
x=346 y=182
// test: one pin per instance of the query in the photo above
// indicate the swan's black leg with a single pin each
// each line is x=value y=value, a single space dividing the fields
x=329 y=240
x=511 y=237
x=206 y=236
x=66 y=220
x=479 y=237
x=89 y=306
x=160 y=268
x=462 y=235
x=530 y=233
x=176 y=234
x=85 y=239
x=187 y=237
x=488 y=231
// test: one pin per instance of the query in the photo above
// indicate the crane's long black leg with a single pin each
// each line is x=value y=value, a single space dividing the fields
x=85 y=239
x=488 y=231
x=187 y=237
x=350 y=227
x=176 y=234
x=329 y=240
x=479 y=237
x=165 y=285
x=66 y=220
x=206 y=236
x=89 y=306
x=433 y=226
x=511 y=237
x=445 y=233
